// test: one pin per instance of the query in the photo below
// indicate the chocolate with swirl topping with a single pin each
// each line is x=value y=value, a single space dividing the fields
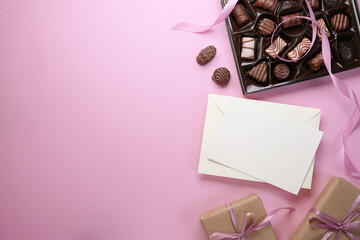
x=300 y=49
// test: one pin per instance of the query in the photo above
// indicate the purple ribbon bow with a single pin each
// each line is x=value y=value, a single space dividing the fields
x=240 y=235
x=338 y=227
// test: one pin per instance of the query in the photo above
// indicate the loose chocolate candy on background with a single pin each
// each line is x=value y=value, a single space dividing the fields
x=278 y=44
x=206 y=55
x=221 y=76
x=300 y=49
x=265 y=26
x=340 y=22
x=266 y=4
x=316 y=62
x=240 y=15
x=281 y=72
x=345 y=51
x=259 y=72
x=314 y=4
x=293 y=22
x=248 y=48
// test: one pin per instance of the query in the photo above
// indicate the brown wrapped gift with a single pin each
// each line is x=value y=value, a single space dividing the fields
x=219 y=220
x=335 y=200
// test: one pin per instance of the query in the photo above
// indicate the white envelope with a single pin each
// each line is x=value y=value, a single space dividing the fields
x=215 y=113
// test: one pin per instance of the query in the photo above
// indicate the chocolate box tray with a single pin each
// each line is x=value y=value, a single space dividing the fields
x=345 y=54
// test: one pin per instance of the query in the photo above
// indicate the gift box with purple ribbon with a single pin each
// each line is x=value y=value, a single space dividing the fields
x=242 y=219
x=335 y=214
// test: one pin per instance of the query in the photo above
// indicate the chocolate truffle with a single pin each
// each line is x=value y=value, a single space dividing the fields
x=240 y=15
x=324 y=27
x=340 y=22
x=259 y=72
x=221 y=76
x=316 y=62
x=266 y=4
x=248 y=48
x=265 y=26
x=300 y=49
x=293 y=22
x=345 y=51
x=279 y=45
x=206 y=55
x=314 y=4
x=281 y=72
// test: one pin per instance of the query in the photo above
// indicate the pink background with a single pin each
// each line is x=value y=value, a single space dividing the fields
x=102 y=109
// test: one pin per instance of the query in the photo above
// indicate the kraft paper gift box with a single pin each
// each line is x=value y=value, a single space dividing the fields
x=335 y=201
x=219 y=220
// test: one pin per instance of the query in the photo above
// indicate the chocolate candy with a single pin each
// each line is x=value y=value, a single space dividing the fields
x=345 y=51
x=281 y=72
x=259 y=72
x=248 y=48
x=300 y=49
x=314 y=4
x=265 y=26
x=289 y=43
x=206 y=55
x=293 y=22
x=324 y=27
x=340 y=22
x=266 y=4
x=240 y=15
x=221 y=76
x=317 y=62
x=278 y=44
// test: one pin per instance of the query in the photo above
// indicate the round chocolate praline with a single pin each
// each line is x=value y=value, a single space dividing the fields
x=281 y=72
x=221 y=76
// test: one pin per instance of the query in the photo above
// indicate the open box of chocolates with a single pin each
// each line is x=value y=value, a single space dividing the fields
x=252 y=22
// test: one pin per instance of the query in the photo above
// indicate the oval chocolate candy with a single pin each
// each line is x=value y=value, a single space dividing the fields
x=206 y=55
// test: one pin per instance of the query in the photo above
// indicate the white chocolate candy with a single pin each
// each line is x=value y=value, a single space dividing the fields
x=248 y=48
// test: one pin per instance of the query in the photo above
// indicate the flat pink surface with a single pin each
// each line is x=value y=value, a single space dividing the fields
x=102 y=109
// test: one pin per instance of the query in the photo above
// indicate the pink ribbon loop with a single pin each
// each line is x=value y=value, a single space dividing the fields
x=336 y=227
x=253 y=227
x=189 y=27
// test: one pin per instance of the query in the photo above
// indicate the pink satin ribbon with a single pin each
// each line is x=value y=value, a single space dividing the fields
x=189 y=27
x=253 y=227
x=336 y=227
x=326 y=51
x=345 y=90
